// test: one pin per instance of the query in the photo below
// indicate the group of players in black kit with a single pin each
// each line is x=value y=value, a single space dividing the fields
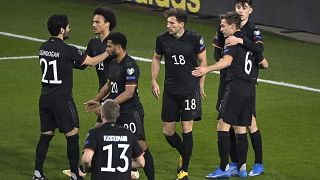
x=117 y=143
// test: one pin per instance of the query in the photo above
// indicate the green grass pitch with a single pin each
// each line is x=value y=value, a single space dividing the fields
x=288 y=118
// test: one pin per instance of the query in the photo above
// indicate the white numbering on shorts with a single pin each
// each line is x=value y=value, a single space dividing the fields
x=179 y=61
x=123 y=157
x=100 y=66
x=114 y=87
x=55 y=72
x=190 y=104
x=248 y=63
x=132 y=127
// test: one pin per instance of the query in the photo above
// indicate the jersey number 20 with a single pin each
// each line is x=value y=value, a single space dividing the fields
x=55 y=72
x=123 y=156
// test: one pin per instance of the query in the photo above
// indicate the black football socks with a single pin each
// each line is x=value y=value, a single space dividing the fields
x=187 y=150
x=149 y=165
x=257 y=146
x=224 y=148
x=73 y=153
x=41 y=151
x=175 y=141
x=242 y=148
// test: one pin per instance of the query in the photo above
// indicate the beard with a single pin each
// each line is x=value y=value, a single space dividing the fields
x=65 y=36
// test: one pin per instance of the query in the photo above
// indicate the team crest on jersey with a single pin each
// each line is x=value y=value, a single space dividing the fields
x=130 y=71
x=201 y=41
x=256 y=33
x=80 y=52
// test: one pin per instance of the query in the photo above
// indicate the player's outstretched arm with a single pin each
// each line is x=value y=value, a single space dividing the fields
x=92 y=61
x=126 y=94
x=155 y=69
x=92 y=104
x=224 y=62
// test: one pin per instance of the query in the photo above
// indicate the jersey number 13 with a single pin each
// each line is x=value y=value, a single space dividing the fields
x=123 y=157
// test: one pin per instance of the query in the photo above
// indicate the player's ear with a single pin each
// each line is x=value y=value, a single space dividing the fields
x=250 y=10
x=108 y=25
x=62 y=31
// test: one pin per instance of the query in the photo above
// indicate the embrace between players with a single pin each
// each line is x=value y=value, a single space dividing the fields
x=117 y=144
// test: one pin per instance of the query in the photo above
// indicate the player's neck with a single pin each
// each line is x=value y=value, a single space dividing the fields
x=103 y=35
x=121 y=55
x=244 y=22
x=179 y=33
x=60 y=36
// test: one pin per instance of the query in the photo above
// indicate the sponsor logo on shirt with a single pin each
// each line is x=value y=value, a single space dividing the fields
x=130 y=78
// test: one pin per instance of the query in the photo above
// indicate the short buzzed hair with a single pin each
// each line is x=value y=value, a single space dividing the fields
x=179 y=13
x=118 y=38
x=110 y=110
x=232 y=17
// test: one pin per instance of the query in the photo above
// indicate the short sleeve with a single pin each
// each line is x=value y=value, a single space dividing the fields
x=76 y=55
x=158 y=48
x=91 y=142
x=136 y=149
x=230 y=50
x=200 y=45
x=257 y=36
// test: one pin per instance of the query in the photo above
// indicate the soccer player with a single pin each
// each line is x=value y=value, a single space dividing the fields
x=104 y=21
x=238 y=100
x=56 y=105
x=109 y=149
x=181 y=49
x=122 y=86
x=252 y=41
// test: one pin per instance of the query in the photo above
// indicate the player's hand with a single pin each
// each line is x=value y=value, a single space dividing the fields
x=155 y=89
x=232 y=40
x=199 y=71
x=98 y=111
x=202 y=93
x=91 y=105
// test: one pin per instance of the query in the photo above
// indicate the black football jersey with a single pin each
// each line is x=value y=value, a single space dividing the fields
x=243 y=65
x=96 y=47
x=180 y=56
x=114 y=147
x=56 y=61
x=121 y=74
x=251 y=36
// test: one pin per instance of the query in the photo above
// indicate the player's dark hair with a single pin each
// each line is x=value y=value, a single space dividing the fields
x=242 y=2
x=232 y=17
x=56 y=22
x=179 y=13
x=110 y=110
x=108 y=15
x=118 y=38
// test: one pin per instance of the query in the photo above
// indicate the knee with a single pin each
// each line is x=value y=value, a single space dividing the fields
x=168 y=130
x=187 y=127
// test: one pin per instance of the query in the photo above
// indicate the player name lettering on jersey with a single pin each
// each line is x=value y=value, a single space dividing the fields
x=116 y=138
x=49 y=53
